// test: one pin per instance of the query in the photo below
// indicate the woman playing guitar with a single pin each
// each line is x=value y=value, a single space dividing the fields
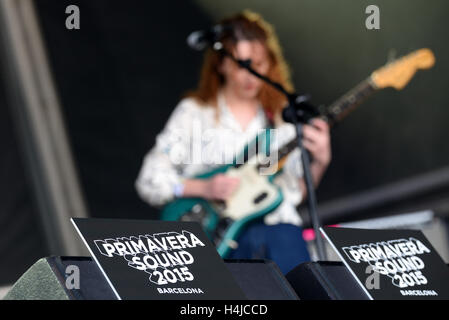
x=229 y=108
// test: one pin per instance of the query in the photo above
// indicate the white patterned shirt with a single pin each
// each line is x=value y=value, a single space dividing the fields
x=194 y=141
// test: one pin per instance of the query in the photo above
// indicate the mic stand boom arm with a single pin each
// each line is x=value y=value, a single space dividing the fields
x=298 y=113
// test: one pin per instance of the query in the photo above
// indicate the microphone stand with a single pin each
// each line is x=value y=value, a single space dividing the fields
x=298 y=112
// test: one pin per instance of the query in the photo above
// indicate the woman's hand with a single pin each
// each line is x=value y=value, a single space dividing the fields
x=317 y=141
x=219 y=187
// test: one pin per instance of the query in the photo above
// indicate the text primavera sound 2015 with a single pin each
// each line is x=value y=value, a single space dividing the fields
x=162 y=255
x=398 y=259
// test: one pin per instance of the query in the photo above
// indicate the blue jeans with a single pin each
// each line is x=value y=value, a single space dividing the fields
x=281 y=243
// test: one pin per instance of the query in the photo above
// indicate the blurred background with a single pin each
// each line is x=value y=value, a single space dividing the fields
x=80 y=108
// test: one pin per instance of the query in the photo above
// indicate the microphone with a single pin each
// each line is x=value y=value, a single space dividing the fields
x=199 y=40
x=299 y=109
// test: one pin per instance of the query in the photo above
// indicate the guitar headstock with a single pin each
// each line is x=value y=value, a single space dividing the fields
x=399 y=72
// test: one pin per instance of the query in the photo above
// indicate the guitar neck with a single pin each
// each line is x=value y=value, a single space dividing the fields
x=348 y=102
x=338 y=110
x=395 y=74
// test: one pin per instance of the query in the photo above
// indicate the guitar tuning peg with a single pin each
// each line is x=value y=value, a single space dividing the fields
x=391 y=55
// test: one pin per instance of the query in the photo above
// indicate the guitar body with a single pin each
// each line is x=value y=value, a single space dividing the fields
x=223 y=222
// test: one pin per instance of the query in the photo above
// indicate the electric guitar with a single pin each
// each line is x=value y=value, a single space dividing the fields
x=257 y=195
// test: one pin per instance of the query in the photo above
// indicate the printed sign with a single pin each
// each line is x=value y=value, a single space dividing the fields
x=144 y=259
x=391 y=264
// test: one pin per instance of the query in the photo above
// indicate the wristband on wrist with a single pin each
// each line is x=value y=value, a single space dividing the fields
x=178 y=190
